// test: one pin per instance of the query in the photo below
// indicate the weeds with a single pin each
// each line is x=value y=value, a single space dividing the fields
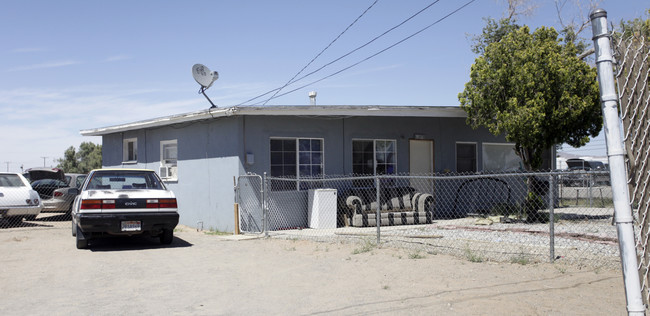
x=416 y=255
x=472 y=257
x=216 y=232
x=520 y=259
x=367 y=246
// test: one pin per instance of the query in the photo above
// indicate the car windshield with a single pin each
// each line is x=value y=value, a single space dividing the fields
x=124 y=180
x=11 y=180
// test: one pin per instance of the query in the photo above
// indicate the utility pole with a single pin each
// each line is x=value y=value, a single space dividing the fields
x=7 y=162
x=44 y=160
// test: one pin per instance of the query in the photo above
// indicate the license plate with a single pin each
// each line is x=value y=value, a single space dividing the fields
x=131 y=226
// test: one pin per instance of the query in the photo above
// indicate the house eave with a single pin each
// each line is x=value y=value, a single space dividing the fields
x=311 y=110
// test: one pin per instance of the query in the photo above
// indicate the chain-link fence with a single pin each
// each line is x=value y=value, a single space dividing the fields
x=632 y=52
x=41 y=203
x=522 y=217
x=248 y=194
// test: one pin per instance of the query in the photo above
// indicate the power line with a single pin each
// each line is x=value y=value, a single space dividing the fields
x=371 y=56
x=321 y=52
x=345 y=55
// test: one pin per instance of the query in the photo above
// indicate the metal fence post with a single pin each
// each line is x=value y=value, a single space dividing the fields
x=590 y=188
x=616 y=156
x=378 y=213
x=236 y=205
x=265 y=208
x=551 y=216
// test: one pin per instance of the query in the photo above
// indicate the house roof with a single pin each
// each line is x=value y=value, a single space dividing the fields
x=301 y=110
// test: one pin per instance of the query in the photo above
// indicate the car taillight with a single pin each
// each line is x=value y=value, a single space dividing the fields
x=108 y=203
x=161 y=203
x=152 y=203
x=32 y=202
x=97 y=204
x=168 y=203
x=58 y=194
x=91 y=204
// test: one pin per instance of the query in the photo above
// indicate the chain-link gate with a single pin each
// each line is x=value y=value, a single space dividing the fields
x=632 y=51
x=249 y=194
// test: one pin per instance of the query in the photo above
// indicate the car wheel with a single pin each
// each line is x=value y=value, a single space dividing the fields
x=82 y=242
x=167 y=236
x=30 y=217
x=15 y=220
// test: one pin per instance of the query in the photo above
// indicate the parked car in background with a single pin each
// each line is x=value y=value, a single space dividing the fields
x=53 y=187
x=46 y=187
x=56 y=194
x=17 y=198
x=123 y=202
x=585 y=173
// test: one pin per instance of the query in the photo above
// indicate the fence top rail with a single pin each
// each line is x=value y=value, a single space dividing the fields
x=440 y=177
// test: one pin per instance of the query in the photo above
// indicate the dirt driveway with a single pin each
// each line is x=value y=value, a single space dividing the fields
x=42 y=273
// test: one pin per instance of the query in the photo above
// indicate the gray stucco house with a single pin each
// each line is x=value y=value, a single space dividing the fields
x=199 y=153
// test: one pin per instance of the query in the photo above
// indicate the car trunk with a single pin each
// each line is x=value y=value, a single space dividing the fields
x=38 y=174
x=14 y=196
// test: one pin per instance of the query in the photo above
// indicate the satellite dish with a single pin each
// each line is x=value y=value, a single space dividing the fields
x=203 y=75
x=205 y=78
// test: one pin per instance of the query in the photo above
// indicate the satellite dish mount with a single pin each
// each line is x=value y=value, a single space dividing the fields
x=205 y=78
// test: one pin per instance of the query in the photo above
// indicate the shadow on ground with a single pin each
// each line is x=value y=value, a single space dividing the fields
x=129 y=243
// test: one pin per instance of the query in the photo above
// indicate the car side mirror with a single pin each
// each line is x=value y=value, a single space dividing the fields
x=73 y=191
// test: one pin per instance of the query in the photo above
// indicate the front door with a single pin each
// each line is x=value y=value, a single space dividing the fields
x=421 y=163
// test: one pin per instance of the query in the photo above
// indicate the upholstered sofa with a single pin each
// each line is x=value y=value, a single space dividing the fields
x=408 y=209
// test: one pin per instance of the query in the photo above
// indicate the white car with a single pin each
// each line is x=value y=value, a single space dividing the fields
x=17 y=198
x=123 y=202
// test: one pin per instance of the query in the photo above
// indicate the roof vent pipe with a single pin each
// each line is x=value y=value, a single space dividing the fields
x=312 y=97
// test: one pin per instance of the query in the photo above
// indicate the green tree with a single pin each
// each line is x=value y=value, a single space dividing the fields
x=88 y=157
x=493 y=32
x=532 y=88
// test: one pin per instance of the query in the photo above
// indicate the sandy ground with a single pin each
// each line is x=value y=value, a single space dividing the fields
x=42 y=273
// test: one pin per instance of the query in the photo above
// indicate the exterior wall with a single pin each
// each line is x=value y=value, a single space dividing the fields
x=212 y=152
x=208 y=160
x=338 y=134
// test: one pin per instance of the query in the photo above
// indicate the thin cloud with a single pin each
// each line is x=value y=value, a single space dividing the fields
x=371 y=70
x=117 y=58
x=29 y=50
x=55 y=64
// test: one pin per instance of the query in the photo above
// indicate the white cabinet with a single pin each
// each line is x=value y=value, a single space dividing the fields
x=322 y=208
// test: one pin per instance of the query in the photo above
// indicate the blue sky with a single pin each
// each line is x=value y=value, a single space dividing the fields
x=73 y=65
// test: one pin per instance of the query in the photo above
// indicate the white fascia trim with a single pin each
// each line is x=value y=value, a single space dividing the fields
x=330 y=110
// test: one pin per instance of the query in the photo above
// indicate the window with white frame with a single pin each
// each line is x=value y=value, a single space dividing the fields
x=169 y=159
x=299 y=158
x=130 y=150
x=465 y=157
x=500 y=157
x=374 y=156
